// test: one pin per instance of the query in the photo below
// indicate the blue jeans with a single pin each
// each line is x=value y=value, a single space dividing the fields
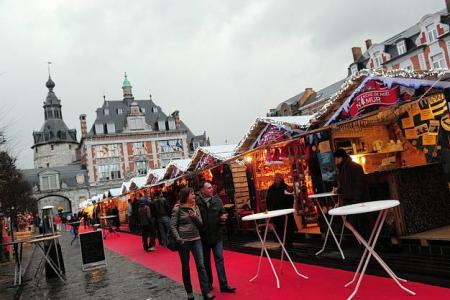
x=164 y=227
x=184 y=251
x=217 y=250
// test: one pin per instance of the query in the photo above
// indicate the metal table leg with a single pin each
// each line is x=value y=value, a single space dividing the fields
x=264 y=250
x=370 y=246
x=329 y=230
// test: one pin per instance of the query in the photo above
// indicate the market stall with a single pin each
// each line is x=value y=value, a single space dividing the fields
x=396 y=126
x=273 y=147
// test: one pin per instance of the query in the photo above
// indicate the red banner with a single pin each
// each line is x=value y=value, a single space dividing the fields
x=371 y=98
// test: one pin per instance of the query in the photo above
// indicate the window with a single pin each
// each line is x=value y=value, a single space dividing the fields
x=105 y=151
x=119 y=111
x=70 y=147
x=36 y=149
x=171 y=124
x=422 y=63
x=138 y=148
x=109 y=171
x=52 y=147
x=143 y=110
x=354 y=69
x=111 y=127
x=432 y=33
x=49 y=182
x=377 y=59
x=136 y=123
x=141 y=167
x=99 y=128
x=401 y=47
x=438 y=61
x=155 y=109
x=106 y=111
x=171 y=146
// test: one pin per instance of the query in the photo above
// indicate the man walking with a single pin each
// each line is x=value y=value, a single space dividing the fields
x=145 y=217
x=213 y=214
x=162 y=211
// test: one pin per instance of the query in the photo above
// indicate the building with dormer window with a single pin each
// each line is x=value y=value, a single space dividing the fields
x=423 y=46
x=130 y=136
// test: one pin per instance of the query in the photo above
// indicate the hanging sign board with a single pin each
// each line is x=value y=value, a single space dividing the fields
x=373 y=98
x=92 y=250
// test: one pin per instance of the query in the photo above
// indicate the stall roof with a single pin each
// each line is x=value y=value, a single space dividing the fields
x=176 y=167
x=217 y=153
x=115 y=192
x=353 y=85
x=292 y=125
x=139 y=181
x=155 y=175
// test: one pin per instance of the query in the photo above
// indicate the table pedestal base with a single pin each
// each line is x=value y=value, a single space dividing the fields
x=264 y=250
x=369 y=251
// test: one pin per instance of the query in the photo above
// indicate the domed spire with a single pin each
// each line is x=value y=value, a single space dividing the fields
x=127 y=89
x=126 y=82
x=50 y=84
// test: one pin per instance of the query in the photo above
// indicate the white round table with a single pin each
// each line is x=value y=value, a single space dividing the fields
x=366 y=207
x=267 y=216
x=331 y=196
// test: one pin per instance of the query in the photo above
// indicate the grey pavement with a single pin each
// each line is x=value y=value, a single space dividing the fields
x=121 y=279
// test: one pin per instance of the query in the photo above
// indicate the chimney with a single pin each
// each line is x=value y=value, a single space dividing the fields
x=83 y=125
x=447 y=4
x=176 y=116
x=368 y=43
x=308 y=92
x=357 y=53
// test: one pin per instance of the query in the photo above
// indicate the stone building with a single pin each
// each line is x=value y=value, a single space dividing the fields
x=423 y=46
x=58 y=178
x=54 y=144
x=130 y=136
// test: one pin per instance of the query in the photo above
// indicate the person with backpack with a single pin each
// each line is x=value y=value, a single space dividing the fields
x=184 y=225
x=162 y=211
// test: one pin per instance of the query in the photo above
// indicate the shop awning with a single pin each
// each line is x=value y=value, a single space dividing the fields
x=269 y=130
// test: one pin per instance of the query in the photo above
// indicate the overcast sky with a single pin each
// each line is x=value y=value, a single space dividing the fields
x=221 y=63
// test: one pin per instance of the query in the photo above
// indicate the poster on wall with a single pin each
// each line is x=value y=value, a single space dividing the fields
x=327 y=168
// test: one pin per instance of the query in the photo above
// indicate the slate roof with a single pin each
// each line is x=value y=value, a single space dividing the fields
x=67 y=175
x=320 y=95
x=153 y=114
x=54 y=130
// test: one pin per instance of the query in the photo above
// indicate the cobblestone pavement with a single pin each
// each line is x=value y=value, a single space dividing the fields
x=121 y=279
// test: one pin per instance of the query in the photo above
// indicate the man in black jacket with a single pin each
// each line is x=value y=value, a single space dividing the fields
x=279 y=198
x=162 y=212
x=351 y=180
x=352 y=185
x=213 y=214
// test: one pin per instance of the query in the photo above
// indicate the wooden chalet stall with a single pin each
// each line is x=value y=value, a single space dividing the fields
x=397 y=127
x=272 y=146
x=215 y=163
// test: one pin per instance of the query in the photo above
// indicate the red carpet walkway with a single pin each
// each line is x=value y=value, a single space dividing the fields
x=324 y=283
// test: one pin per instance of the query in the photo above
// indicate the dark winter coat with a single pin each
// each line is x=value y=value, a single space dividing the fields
x=211 y=212
x=277 y=199
x=352 y=182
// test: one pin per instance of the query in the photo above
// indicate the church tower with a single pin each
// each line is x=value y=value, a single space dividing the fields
x=54 y=144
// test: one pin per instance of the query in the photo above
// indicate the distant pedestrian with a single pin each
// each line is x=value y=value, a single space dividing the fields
x=162 y=211
x=116 y=220
x=184 y=225
x=145 y=217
